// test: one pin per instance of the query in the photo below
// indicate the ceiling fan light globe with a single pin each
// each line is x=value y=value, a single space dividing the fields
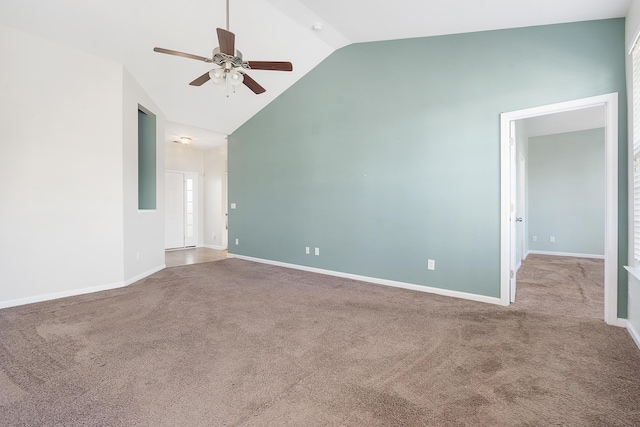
x=217 y=75
x=235 y=77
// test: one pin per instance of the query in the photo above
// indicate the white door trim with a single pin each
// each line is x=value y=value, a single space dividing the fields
x=610 y=102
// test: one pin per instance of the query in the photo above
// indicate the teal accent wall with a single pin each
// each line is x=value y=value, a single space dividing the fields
x=388 y=153
x=567 y=192
x=146 y=161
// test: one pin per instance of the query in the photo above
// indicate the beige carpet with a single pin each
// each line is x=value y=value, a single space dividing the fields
x=237 y=343
x=561 y=285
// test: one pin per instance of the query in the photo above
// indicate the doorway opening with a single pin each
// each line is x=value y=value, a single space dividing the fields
x=510 y=218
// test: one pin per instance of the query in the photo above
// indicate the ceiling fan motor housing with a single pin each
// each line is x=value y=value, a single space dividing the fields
x=228 y=61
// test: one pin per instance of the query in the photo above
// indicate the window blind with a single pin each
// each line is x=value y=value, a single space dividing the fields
x=636 y=151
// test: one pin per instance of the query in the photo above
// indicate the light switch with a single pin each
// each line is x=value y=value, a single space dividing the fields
x=233 y=205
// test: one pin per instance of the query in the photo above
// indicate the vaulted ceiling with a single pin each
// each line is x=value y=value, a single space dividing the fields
x=126 y=31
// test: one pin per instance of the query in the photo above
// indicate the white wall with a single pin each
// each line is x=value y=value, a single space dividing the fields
x=181 y=157
x=633 y=316
x=143 y=231
x=69 y=222
x=60 y=170
x=215 y=197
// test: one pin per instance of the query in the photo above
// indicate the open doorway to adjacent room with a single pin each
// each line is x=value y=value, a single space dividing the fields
x=195 y=195
x=559 y=200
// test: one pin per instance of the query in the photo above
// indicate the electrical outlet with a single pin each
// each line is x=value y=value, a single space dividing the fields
x=237 y=241
x=307 y=250
x=431 y=264
x=233 y=205
x=213 y=236
x=552 y=239
x=534 y=238
x=317 y=251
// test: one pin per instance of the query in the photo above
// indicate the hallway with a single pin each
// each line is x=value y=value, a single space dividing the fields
x=189 y=256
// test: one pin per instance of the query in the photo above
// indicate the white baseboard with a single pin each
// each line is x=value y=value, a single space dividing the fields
x=385 y=282
x=56 y=295
x=143 y=275
x=622 y=323
x=634 y=334
x=566 y=254
x=75 y=292
x=219 y=248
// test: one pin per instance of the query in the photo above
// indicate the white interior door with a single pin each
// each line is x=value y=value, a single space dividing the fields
x=512 y=216
x=175 y=209
x=521 y=217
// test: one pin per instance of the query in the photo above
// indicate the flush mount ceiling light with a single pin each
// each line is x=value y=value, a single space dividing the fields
x=185 y=140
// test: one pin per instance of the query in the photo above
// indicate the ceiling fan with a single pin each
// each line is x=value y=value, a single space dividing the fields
x=231 y=63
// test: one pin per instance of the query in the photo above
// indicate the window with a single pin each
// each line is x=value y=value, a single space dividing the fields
x=636 y=151
x=189 y=208
x=146 y=161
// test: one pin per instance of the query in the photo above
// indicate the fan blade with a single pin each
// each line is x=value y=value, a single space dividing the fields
x=270 y=65
x=227 y=41
x=252 y=84
x=201 y=80
x=182 y=54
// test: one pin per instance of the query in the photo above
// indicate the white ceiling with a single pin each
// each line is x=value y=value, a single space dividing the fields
x=567 y=121
x=201 y=139
x=126 y=31
x=361 y=20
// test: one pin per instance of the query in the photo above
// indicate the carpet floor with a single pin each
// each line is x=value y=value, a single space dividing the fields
x=235 y=343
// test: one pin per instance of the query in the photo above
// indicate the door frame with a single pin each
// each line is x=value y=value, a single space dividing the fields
x=507 y=180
